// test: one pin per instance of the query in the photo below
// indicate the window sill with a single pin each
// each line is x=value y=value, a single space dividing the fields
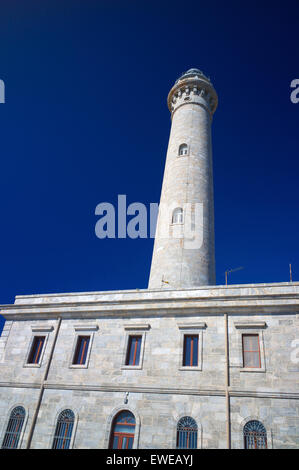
x=131 y=367
x=190 y=368
x=78 y=366
x=34 y=366
x=252 y=369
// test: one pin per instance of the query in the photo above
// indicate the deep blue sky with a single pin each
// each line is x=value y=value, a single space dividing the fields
x=85 y=119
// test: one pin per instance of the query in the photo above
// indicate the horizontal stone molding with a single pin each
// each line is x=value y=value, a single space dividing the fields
x=250 y=324
x=87 y=327
x=155 y=390
x=137 y=326
x=20 y=385
x=189 y=307
x=264 y=394
x=42 y=328
x=192 y=326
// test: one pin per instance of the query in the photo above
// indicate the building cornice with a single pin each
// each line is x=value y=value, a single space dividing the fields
x=242 y=299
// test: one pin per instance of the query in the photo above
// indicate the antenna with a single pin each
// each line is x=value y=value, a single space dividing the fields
x=291 y=276
x=231 y=271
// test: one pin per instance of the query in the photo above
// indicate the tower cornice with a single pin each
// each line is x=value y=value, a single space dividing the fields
x=193 y=88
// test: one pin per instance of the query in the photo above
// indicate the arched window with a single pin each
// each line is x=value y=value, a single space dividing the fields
x=122 y=431
x=64 y=429
x=14 y=428
x=186 y=433
x=177 y=216
x=255 y=435
x=183 y=149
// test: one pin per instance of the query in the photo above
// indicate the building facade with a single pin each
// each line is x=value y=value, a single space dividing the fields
x=182 y=364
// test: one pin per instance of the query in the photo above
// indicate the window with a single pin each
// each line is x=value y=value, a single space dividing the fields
x=183 y=149
x=14 y=428
x=123 y=430
x=190 y=355
x=186 y=433
x=134 y=345
x=36 y=350
x=63 y=430
x=81 y=350
x=251 y=345
x=177 y=216
x=255 y=435
x=133 y=352
x=251 y=351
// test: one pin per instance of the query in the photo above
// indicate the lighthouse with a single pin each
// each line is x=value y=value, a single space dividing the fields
x=184 y=251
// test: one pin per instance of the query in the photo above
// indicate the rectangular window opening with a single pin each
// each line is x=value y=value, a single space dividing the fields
x=133 y=352
x=190 y=356
x=251 y=351
x=81 y=350
x=36 y=350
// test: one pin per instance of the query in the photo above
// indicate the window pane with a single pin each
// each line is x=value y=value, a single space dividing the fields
x=36 y=350
x=248 y=360
x=195 y=351
x=251 y=351
x=250 y=342
x=125 y=417
x=134 y=346
x=177 y=216
x=115 y=442
x=127 y=428
x=251 y=359
x=190 y=357
x=81 y=350
x=183 y=149
x=130 y=444
x=187 y=349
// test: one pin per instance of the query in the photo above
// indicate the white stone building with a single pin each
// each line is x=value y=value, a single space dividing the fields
x=184 y=363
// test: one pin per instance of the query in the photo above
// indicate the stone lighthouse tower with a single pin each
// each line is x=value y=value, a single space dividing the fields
x=184 y=254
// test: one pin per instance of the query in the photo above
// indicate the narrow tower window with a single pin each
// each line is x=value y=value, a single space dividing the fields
x=183 y=149
x=251 y=351
x=255 y=435
x=133 y=352
x=190 y=355
x=64 y=429
x=36 y=350
x=14 y=428
x=186 y=433
x=177 y=216
x=123 y=430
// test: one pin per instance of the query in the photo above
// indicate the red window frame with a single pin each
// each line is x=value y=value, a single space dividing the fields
x=252 y=351
x=36 y=349
x=138 y=342
x=193 y=356
x=81 y=350
x=121 y=435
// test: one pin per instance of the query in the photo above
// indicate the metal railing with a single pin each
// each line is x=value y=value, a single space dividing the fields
x=14 y=428
x=63 y=431
x=255 y=440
